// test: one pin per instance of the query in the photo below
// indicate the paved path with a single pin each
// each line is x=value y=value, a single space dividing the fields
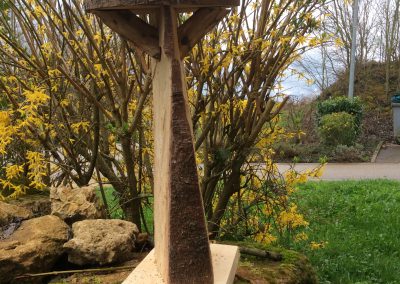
x=357 y=171
x=389 y=153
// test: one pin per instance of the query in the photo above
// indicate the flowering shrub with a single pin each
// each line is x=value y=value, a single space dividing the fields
x=23 y=164
x=265 y=211
x=82 y=96
x=338 y=129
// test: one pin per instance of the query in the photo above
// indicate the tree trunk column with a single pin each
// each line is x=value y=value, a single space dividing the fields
x=182 y=248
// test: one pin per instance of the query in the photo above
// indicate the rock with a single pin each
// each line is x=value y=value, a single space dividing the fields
x=143 y=242
x=33 y=248
x=76 y=204
x=101 y=241
x=39 y=204
x=294 y=268
x=10 y=213
x=7 y=230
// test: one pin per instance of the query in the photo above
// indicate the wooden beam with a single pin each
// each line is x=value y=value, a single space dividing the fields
x=182 y=250
x=92 y=5
x=133 y=29
x=197 y=26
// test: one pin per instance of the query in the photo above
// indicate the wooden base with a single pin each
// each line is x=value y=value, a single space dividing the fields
x=225 y=260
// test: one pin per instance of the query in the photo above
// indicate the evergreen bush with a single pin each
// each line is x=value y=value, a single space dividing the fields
x=341 y=104
x=338 y=128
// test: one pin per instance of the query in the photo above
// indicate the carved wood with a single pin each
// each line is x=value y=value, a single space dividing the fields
x=182 y=250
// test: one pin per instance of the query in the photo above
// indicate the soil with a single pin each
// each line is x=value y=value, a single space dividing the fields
x=107 y=277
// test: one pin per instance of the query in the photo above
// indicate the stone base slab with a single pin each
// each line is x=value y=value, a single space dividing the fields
x=225 y=260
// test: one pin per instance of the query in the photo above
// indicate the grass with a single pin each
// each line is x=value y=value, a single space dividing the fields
x=112 y=198
x=360 y=221
x=116 y=211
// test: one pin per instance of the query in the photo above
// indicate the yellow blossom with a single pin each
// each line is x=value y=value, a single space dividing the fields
x=315 y=245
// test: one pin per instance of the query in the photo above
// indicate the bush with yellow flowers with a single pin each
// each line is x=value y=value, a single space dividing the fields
x=23 y=164
x=264 y=209
x=79 y=96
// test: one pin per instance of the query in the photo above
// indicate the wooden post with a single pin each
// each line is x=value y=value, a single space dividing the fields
x=181 y=240
x=182 y=252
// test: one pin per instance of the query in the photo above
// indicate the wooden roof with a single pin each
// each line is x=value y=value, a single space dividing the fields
x=92 y=5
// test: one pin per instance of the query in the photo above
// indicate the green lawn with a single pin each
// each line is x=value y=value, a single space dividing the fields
x=360 y=221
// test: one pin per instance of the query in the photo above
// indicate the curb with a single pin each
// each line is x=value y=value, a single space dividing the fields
x=376 y=152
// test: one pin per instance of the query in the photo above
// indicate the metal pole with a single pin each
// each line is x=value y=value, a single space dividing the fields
x=353 y=49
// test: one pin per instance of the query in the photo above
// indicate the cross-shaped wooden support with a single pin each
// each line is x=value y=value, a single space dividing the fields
x=182 y=252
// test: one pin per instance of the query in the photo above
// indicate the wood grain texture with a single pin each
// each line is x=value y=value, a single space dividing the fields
x=181 y=239
x=133 y=29
x=182 y=250
x=91 y=5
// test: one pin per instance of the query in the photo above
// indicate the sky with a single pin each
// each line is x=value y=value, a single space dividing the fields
x=294 y=86
x=299 y=88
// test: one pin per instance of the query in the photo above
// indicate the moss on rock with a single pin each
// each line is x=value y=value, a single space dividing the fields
x=295 y=268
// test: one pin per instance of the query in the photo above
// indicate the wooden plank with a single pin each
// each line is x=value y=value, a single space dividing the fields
x=133 y=29
x=92 y=5
x=197 y=26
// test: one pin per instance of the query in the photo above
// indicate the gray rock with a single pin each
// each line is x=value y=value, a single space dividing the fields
x=101 y=241
x=76 y=204
x=33 y=248
x=10 y=213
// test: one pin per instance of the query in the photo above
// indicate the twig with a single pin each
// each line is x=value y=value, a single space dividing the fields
x=28 y=275
x=261 y=253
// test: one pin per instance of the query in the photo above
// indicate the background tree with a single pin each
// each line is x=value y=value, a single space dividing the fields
x=235 y=89
x=93 y=91
x=79 y=96
x=378 y=42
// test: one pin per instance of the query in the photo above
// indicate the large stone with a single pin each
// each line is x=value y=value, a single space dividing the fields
x=76 y=204
x=101 y=241
x=33 y=248
x=10 y=213
x=39 y=204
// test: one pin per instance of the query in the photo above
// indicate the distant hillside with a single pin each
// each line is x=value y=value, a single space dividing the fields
x=370 y=87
